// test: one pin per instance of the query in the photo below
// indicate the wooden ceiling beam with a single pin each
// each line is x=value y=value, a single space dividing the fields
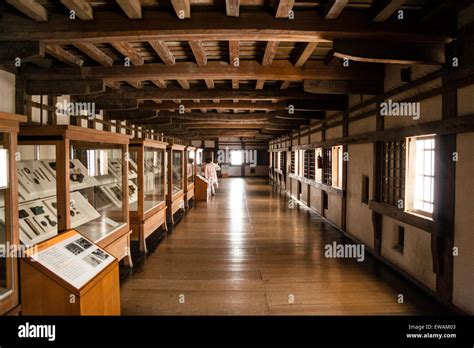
x=210 y=83
x=127 y=50
x=159 y=83
x=315 y=115
x=270 y=51
x=112 y=85
x=183 y=83
x=116 y=104
x=135 y=84
x=95 y=53
x=259 y=85
x=389 y=52
x=225 y=133
x=248 y=70
x=305 y=53
x=163 y=51
x=285 y=84
x=167 y=118
x=343 y=87
x=234 y=52
x=297 y=97
x=192 y=105
x=77 y=87
x=198 y=51
x=132 y=114
x=31 y=9
x=232 y=7
x=132 y=8
x=268 y=56
x=82 y=8
x=328 y=58
x=182 y=8
x=284 y=7
x=234 y=59
x=335 y=8
x=255 y=117
x=235 y=84
x=63 y=55
x=383 y=9
x=307 y=26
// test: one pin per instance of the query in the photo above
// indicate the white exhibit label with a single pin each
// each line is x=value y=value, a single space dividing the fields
x=75 y=260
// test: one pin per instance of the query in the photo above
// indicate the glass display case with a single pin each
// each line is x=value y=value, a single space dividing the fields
x=9 y=240
x=176 y=180
x=190 y=155
x=74 y=177
x=148 y=206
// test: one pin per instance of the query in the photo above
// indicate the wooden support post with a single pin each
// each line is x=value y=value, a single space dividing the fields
x=323 y=138
x=20 y=95
x=106 y=124
x=377 y=181
x=62 y=184
x=442 y=238
x=345 y=133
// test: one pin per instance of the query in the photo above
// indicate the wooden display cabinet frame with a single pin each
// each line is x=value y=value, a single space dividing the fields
x=189 y=187
x=144 y=223
x=99 y=296
x=175 y=202
x=116 y=243
x=9 y=126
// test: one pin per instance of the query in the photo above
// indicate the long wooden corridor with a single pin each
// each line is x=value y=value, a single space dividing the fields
x=247 y=252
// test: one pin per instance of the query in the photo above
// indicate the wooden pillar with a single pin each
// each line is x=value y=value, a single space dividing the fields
x=345 y=133
x=106 y=124
x=20 y=95
x=377 y=181
x=442 y=238
x=62 y=184
x=242 y=166
x=323 y=138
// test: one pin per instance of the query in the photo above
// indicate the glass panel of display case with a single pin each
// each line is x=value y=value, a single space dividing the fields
x=133 y=182
x=177 y=171
x=190 y=168
x=154 y=171
x=5 y=236
x=199 y=162
x=36 y=187
x=96 y=186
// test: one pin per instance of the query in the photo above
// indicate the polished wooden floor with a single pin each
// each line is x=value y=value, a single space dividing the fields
x=248 y=253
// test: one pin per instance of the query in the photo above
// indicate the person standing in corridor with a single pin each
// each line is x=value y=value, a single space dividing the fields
x=210 y=174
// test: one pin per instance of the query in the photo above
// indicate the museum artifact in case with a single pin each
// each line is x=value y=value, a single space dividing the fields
x=148 y=211
x=74 y=177
x=9 y=240
x=190 y=155
x=175 y=179
x=69 y=275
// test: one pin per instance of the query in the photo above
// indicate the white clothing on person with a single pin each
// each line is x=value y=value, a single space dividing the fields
x=211 y=175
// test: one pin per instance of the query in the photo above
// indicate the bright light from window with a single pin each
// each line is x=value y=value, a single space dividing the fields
x=424 y=172
x=236 y=158
x=3 y=168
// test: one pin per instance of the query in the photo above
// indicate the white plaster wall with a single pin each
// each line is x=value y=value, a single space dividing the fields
x=7 y=92
x=463 y=278
x=359 y=216
x=416 y=257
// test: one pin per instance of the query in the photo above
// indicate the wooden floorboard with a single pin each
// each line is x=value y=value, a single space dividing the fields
x=247 y=253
